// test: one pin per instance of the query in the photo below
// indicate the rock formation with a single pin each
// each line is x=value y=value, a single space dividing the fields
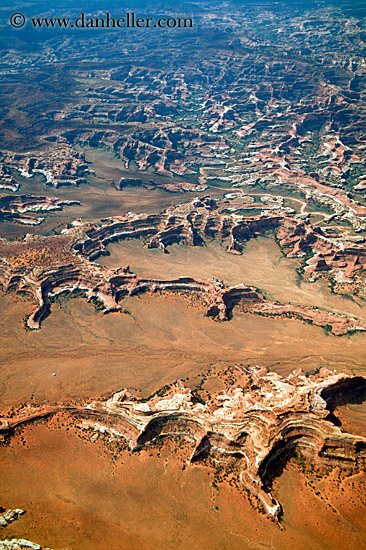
x=9 y=516
x=171 y=187
x=16 y=208
x=66 y=264
x=253 y=424
x=202 y=218
x=21 y=544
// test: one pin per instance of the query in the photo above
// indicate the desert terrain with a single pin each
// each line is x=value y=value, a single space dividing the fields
x=183 y=278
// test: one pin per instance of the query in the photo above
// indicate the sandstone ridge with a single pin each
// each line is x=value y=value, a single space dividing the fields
x=45 y=267
x=253 y=424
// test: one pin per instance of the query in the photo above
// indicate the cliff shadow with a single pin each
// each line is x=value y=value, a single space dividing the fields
x=349 y=391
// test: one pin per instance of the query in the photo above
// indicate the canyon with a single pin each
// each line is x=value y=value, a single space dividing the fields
x=253 y=424
x=186 y=224
x=183 y=215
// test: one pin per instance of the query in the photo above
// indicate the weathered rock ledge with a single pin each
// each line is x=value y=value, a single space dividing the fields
x=44 y=267
x=16 y=209
x=108 y=288
x=204 y=218
x=9 y=516
x=253 y=424
x=21 y=544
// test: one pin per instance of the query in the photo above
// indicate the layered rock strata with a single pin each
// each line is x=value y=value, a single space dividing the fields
x=171 y=187
x=9 y=516
x=107 y=288
x=21 y=544
x=254 y=424
x=44 y=267
x=16 y=209
x=200 y=219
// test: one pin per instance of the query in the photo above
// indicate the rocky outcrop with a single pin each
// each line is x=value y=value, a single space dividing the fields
x=9 y=516
x=67 y=267
x=7 y=180
x=62 y=166
x=252 y=424
x=21 y=544
x=167 y=151
x=16 y=209
x=204 y=218
x=171 y=187
x=108 y=288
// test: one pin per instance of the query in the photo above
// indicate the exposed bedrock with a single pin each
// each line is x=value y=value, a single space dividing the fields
x=9 y=516
x=217 y=445
x=349 y=390
x=257 y=425
x=108 y=288
x=17 y=209
x=189 y=226
x=69 y=267
x=20 y=544
x=200 y=219
x=164 y=425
